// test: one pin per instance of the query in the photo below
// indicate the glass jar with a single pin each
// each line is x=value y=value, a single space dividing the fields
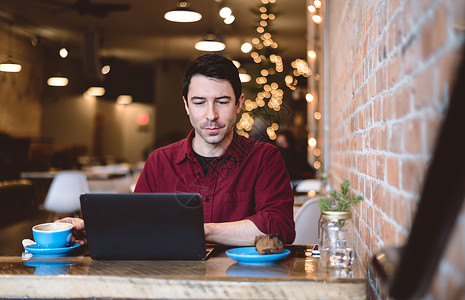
x=336 y=239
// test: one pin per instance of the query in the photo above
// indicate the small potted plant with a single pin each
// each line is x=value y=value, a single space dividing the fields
x=336 y=228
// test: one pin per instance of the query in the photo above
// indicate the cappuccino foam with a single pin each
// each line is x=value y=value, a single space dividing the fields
x=53 y=226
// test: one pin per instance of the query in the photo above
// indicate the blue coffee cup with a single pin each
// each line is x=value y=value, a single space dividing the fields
x=52 y=235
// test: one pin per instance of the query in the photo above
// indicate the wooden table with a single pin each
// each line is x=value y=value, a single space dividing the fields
x=78 y=276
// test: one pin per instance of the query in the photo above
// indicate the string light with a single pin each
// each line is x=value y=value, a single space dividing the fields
x=311 y=54
x=317 y=19
x=312 y=142
x=309 y=97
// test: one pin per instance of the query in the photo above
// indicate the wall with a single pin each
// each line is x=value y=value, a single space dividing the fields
x=61 y=115
x=72 y=120
x=20 y=101
x=391 y=67
x=173 y=122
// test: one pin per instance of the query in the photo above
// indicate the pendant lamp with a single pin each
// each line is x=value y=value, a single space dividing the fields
x=9 y=65
x=210 y=43
x=58 y=80
x=182 y=13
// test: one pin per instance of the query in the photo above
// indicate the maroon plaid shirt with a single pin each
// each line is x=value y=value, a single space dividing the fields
x=248 y=181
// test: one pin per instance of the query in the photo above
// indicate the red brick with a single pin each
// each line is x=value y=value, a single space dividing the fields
x=368 y=184
x=392 y=171
x=447 y=72
x=395 y=142
x=413 y=172
x=411 y=55
x=380 y=80
x=382 y=11
x=388 y=234
x=382 y=199
x=380 y=167
x=433 y=127
x=400 y=211
x=402 y=101
x=434 y=32
x=401 y=238
x=413 y=136
x=388 y=107
x=393 y=71
x=377 y=222
x=383 y=138
x=392 y=7
x=377 y=110
x=424 y=91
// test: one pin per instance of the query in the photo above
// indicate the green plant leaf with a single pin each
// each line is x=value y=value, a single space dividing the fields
x=343 y=200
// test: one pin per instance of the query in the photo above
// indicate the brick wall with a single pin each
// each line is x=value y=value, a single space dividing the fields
x=391 y=68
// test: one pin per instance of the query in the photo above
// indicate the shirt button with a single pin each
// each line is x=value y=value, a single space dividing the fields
x=207 y=199
x=198 y=173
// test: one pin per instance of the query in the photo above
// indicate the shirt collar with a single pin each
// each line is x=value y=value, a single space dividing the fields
x=235 y=149
x=186 y=151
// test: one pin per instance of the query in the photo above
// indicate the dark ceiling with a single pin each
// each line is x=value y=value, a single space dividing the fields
x=141 y=34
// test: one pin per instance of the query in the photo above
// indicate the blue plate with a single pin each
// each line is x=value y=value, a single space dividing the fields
x=250 y=256
x=39 y=251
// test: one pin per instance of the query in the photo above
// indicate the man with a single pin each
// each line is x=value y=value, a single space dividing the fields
x=244 y=183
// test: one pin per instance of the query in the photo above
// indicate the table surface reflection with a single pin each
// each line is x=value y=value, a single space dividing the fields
x=297 y=276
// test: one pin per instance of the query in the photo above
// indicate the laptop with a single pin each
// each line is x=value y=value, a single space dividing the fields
x=134 y=226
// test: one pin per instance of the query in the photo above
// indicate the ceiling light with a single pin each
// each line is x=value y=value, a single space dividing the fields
x=210 y=43
x=63 y=52
x=311 y=8
x=124 y=99
x=317 y=3
x=230 y=19
x=236 y=63
x=246 y=47
x=182 y=13
x=245 y=77
x=96 y=91
x=58 y=80
x=10 y=66
x=105 y=69
x=225 y=12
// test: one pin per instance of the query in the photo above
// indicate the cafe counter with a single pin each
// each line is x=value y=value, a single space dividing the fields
x=298 y=276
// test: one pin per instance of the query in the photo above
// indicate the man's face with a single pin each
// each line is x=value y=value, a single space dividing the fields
x=212 y=110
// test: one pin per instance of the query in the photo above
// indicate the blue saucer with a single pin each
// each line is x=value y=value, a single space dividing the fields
x=250 y=256
x=36 y=250
x=49 y=267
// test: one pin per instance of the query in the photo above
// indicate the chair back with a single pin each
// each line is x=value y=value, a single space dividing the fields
x=64 y=192
x=306 y=222
x=307 y=185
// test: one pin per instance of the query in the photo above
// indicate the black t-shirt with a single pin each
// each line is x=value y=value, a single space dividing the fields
x=205 y=162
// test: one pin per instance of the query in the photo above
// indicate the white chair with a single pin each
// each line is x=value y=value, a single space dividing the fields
x=63 y=194
x=308 y=185
x=306 y=222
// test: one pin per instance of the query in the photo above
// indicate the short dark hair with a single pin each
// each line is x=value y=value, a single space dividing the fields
x=214 y=66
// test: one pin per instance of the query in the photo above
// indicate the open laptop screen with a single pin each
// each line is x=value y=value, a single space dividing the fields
x=144 y=226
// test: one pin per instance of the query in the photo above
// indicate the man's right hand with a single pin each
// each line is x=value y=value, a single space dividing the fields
x=79 y=232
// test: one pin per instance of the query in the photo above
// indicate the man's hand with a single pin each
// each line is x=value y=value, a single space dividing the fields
x=239 y=233
x=79 y=232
